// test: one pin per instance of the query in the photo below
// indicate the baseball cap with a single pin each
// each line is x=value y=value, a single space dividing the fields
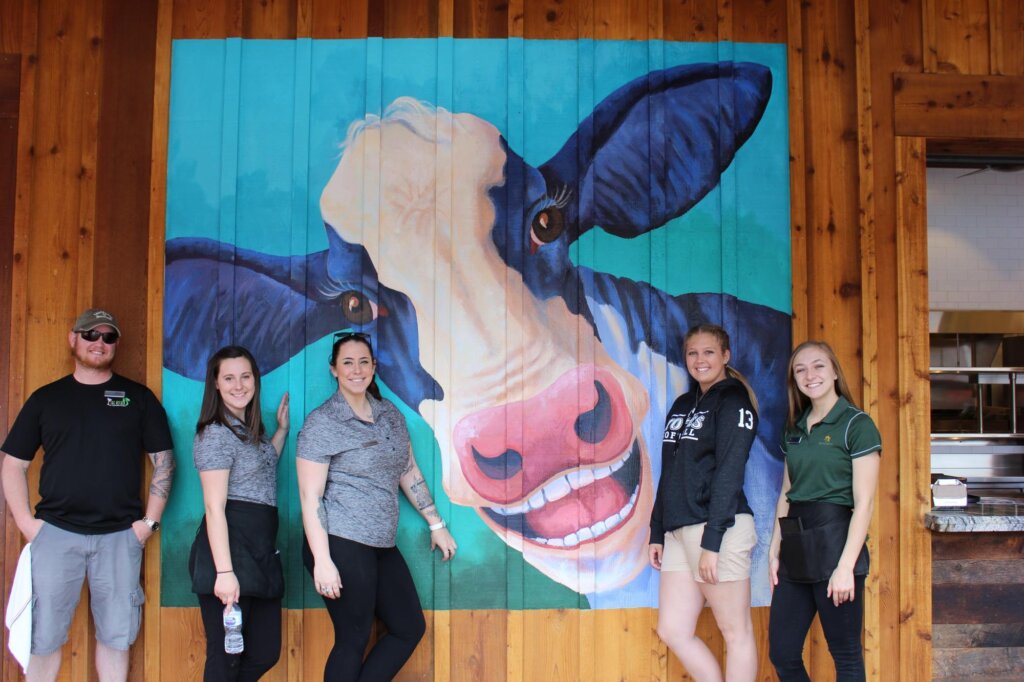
x=95 y=317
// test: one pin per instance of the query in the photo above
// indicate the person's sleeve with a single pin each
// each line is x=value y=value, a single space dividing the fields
x=156 y=432
x=735 y=429
x=862 y=437
x=312 y=443
x=211 y=450
x=26 y=434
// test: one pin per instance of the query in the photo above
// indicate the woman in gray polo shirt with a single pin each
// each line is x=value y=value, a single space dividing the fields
x=352 y=455
x=818 y=559
x=233 y=559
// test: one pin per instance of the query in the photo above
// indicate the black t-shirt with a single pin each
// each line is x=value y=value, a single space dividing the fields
x=93 y=437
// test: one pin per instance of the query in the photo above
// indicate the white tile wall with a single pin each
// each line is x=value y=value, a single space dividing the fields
x=975 y=240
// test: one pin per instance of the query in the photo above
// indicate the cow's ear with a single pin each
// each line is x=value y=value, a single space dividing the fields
x=654 y=147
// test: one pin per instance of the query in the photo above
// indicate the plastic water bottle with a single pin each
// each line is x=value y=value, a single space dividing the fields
x=233 y=642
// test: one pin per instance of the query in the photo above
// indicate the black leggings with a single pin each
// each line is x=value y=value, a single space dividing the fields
x=261 y=629
x=375 y=581
x=793 y=609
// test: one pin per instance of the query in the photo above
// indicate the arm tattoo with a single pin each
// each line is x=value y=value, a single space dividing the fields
x=163 y=472
x=321 y=514
x=421 y=493
x=409 y=467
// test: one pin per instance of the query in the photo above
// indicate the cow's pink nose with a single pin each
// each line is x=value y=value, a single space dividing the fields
x=581 y=420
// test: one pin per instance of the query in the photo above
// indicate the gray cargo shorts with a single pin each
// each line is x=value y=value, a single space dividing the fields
x=60 y=560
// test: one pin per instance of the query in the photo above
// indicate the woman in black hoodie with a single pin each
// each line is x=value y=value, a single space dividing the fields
x=702 y=529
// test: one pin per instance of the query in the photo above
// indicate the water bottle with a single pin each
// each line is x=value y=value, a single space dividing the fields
x=233 y=642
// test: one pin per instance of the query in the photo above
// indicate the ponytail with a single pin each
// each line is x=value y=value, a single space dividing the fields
x=736 y=374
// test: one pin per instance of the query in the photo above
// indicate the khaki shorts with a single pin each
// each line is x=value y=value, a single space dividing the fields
x=682 y=550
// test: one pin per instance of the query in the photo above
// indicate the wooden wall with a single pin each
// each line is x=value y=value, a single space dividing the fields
x=91 y=152
x=978 y=591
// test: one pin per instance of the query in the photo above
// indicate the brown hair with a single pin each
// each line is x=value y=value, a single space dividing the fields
x=213 y=410
x=798 y=402
x=722 y=337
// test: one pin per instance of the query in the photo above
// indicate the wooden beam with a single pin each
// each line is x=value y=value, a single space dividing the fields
x=915 y=574
x=958 y=106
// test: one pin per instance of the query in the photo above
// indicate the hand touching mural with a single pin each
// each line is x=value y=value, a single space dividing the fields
x=545 y=382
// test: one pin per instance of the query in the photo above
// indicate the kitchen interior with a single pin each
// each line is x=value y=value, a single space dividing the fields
x=976 y=302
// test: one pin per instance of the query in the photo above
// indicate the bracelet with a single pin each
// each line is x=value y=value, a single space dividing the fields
x=437 y=526
x=227 y=571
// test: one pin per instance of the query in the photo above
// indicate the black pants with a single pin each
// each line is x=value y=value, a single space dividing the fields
x=375 y=582
x=793 y=608
x=261 y=629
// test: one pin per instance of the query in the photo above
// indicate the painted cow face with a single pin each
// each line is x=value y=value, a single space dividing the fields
x=538 y=428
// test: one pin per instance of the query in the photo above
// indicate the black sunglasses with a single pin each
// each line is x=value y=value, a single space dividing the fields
x=342 y=337
x=109 y=338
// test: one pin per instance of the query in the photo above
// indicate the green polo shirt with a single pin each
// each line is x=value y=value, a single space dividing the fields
x=820 y=463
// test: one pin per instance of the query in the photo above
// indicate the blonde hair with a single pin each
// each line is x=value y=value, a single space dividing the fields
x=798 y=402
x=722 y=337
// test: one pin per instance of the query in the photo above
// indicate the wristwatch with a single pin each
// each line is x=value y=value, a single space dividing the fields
x=154 y=526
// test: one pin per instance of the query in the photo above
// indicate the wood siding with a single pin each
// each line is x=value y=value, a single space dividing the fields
x=88 y=229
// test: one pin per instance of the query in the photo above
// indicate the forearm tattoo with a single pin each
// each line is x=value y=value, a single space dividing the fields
x=321 y=514
x=421 y=494
x=163 y=473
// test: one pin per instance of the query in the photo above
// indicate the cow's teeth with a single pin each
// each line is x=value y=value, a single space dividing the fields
x=562 y=486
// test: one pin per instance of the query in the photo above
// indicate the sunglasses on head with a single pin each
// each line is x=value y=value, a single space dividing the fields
x=342 y=337
x=109 y=338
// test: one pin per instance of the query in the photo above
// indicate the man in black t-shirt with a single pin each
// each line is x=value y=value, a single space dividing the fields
x=93 y=426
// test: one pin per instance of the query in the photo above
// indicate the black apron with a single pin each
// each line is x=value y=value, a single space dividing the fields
x=813 y=537
x=252 y=531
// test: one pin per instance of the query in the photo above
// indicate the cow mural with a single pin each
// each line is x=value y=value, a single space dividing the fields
x=544 y=381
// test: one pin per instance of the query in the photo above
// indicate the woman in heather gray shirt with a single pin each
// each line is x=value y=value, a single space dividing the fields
x=233 y=559
x=353 y=454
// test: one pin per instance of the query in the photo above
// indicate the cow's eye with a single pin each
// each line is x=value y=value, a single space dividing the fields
x=357 y=308
x=548 y=225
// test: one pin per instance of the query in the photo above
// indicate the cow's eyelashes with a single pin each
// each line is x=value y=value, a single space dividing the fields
x=357 y=308
x=547 y=225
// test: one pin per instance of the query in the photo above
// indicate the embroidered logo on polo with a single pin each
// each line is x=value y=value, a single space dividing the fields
x=117 y=399
x=694 y=423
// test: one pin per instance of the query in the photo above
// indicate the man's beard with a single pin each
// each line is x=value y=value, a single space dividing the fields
x=86 y=359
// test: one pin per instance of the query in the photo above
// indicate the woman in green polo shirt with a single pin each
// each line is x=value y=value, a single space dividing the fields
x=818 y=559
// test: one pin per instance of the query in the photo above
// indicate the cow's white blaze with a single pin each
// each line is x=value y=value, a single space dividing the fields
x=517 y=372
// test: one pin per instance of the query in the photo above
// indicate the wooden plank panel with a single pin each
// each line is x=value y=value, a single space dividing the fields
x=204 y=19
x=551 y=644
x=969 y=664
x=977 y=546
x=869 y=305
x=621 y=644
x=959 y=36
x=914 y=540
x=340 y=20
x=979 y=571
x=480 y=18
x=620 y=19
x=947 y=105
x=798 y=166
x=403 y=18
x=690 y=20
x=759 y=21
x=10 y=27
x=948 y=636
x=978 y=603
x=182 y=641
x=551 y=19
x=479 y=640
x=269 y=18
x=1006 y=24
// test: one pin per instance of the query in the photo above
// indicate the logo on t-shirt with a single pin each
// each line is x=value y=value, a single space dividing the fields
x=694 y=422
x=117 y=399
